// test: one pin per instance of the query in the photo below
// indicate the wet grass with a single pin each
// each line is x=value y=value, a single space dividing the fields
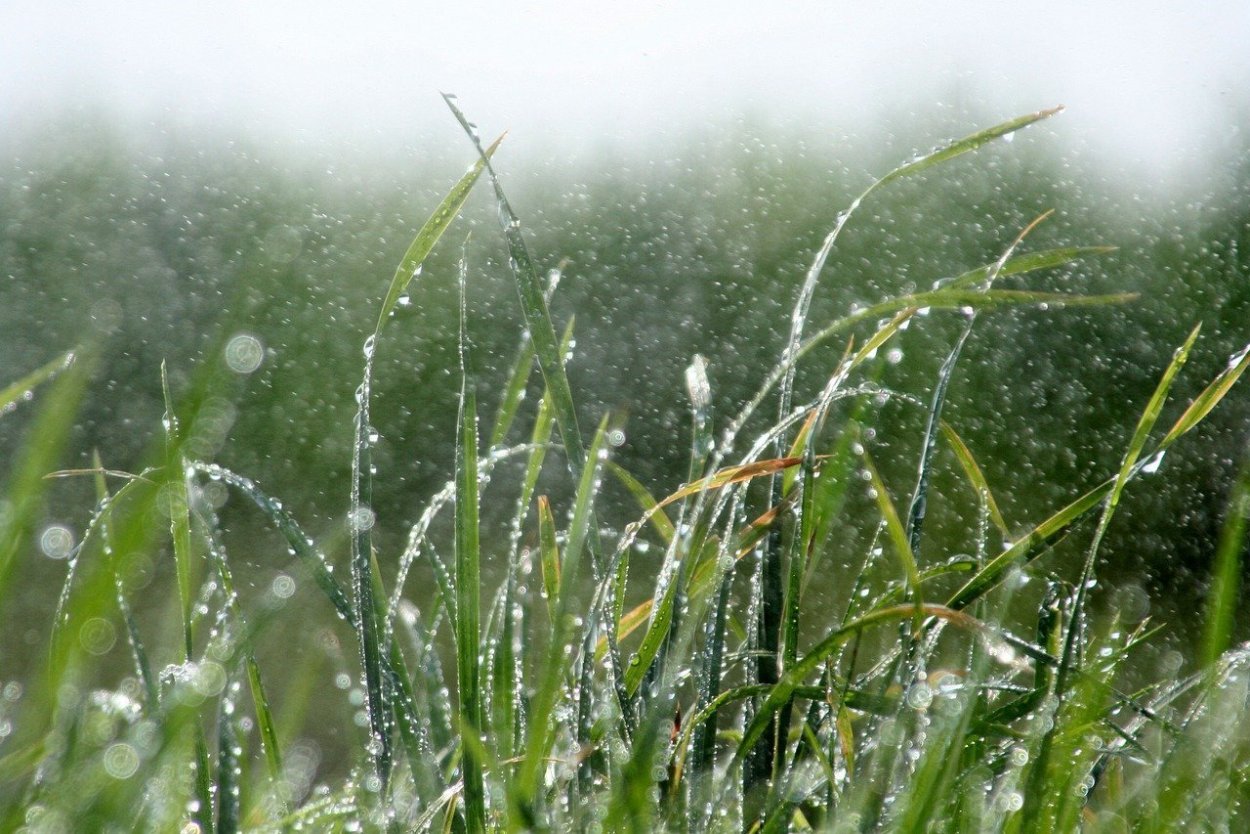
x=976 y=692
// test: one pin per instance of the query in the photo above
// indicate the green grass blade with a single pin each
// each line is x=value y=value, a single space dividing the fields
x=959 y=147
x=179 y=514
x=227 y=787
x=1022 y=264
x=657 y=632
x=427 y=237
x=518 y=378
x=534 y=308
x=24 y=388
x=550 y=555
x=143 y=669
x=41 y=448
x=1224 y=591
x=1210 y=397
x=972 y=470
x=919 y=498
x=658 y=519
x=1033 y=544
x=514 y=392
x=791 y=680
x=556 y=662
x=1150 y=416
x=897 y=533
x=299 y=542
x=472 y=715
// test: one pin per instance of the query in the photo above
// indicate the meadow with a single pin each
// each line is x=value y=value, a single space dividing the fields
x=696 y=503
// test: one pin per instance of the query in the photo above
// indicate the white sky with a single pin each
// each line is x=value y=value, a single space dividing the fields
x=1149 y=85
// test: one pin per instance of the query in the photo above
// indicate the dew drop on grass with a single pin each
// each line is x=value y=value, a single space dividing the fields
x=919 y=696
x=361 y=519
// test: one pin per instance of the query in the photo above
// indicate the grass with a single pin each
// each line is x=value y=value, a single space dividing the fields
x=729 y=689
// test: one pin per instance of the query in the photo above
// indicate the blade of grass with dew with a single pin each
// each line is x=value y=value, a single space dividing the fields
x=299 y=543
x=957 y=298
x=897 y=533
x=534 y=308
x=302 y=547
x=1022 y=264
x=143 y=669
x=550 y=555
x=1210 y=396
x=227 y=786
x=367 y=625
x=785 y=688
x=1040 y=803
x=1222 y=596
x=657 y=631
x=928 y=445
x=552 y=669
x=472 y=714
x=437 y=223
x=24 y=388
x=1044 y=535
x=42 y=446
x=360 y=521
x=659 y=520
x=177 y=505
x=976 y=477
x=518 y=377
x=260 y=700
x=922 y=163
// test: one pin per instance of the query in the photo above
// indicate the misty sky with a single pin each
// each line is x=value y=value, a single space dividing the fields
x=1148 y=85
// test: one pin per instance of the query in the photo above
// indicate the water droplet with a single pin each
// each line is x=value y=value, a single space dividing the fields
x=244 y=353
x=56 y=541
x=360 y=519
x=283 y=586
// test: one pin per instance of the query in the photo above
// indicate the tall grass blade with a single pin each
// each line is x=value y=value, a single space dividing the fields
x=976 y=477
x=899 y=538
x=47 y=435
x=24 y=388
x=437 y=223
x=179 y=513
x=472 y=713
x=1224 y=591
x=919 y=497
x=534 y=308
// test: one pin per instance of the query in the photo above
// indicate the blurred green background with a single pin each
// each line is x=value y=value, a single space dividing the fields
x=165 y=250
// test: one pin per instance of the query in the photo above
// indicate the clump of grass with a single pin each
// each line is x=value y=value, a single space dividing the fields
x=727 y=700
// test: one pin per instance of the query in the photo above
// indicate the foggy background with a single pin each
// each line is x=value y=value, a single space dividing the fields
x=1152 y=88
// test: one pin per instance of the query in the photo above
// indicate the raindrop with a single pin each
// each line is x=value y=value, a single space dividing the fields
x=1151 y=466
x=121 y=761
x=283 y=586
x=361 y=519
x=56 y=541
x=244 y=353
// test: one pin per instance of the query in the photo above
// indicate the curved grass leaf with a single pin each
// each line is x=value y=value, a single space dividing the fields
x=423 y=243
x=972 y=470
